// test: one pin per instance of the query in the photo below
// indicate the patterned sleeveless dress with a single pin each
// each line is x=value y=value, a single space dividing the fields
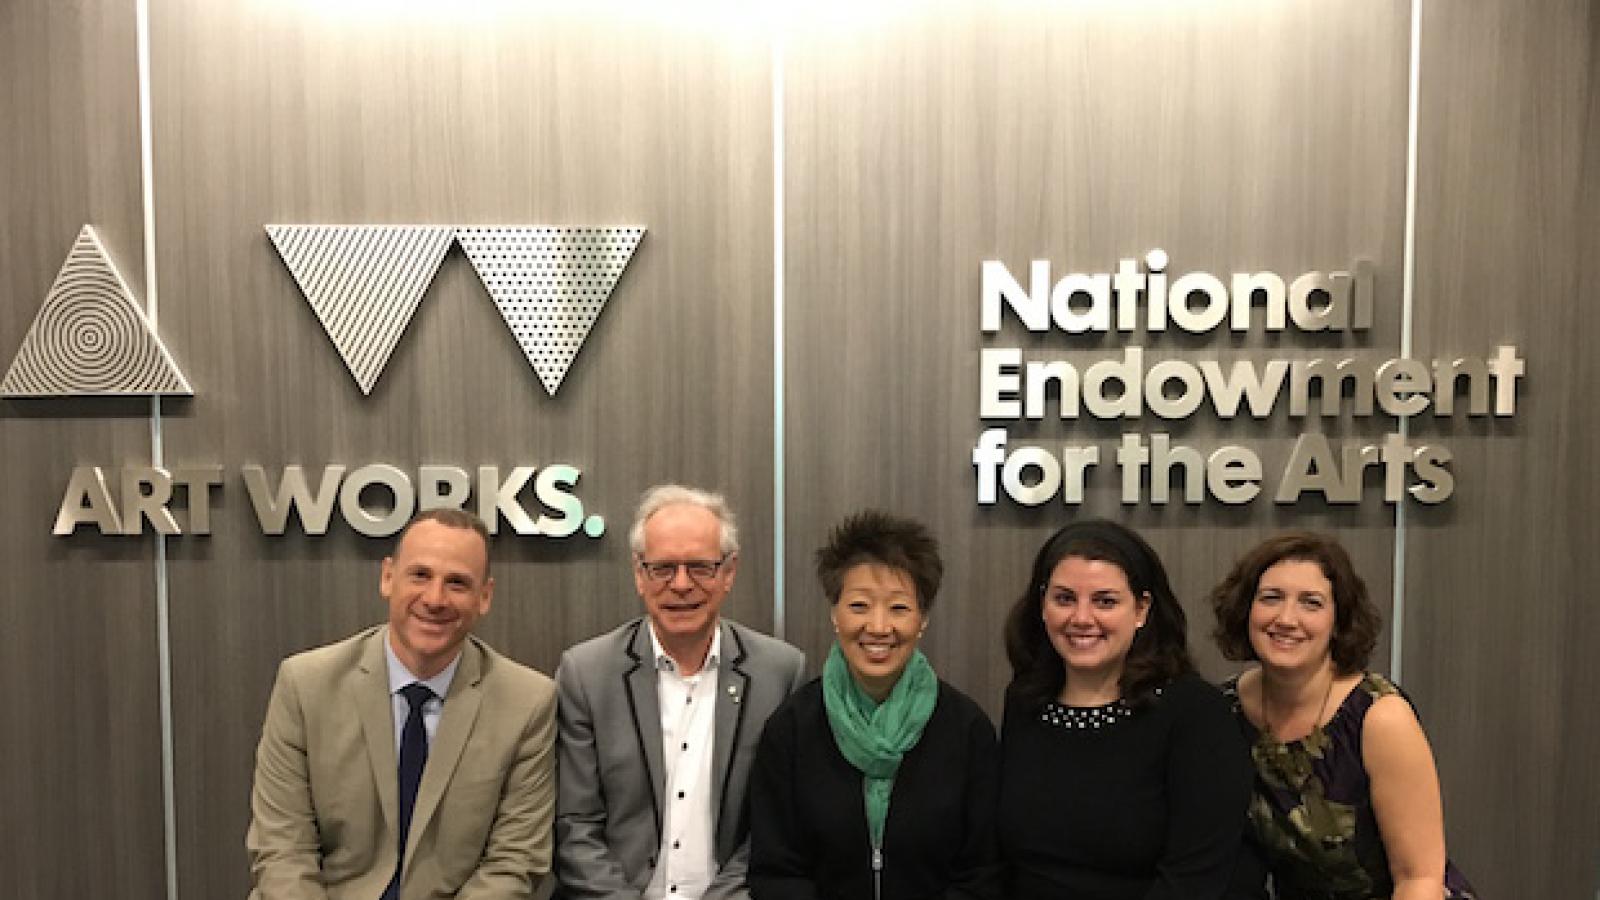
x=1312 y=811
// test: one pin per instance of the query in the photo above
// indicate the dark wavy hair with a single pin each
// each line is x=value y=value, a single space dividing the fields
x=878 y=538
x=1356 y=621
x=1160 y=650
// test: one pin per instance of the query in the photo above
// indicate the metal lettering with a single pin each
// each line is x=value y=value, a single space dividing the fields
x=1187 y=317
x=1097 y=318
x=1076 y=462
x=1505 y=367
x=1163 y=456
x=197 y=482
x=1447 y=372
x=1049 y=476
x=1233 y=475
x=363 y=520
x=139 y=504
x=292 y=494
x=1068 y=389
x=998 y=383
x=87 y=501
x=498 y=498
x=1132 y=456
x=1259 y=390
x=1334 y=314
x=1128 y=372
x=1330 y=376
x=547 y=487
x=1273 y=293
x=1403 y=386
x=1032 y=308
x=1311 y=467
x=443 y=487
x=1438 y=483
x=1181 y=406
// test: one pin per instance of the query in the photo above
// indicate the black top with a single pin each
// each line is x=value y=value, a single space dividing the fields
x=1109 y=803
x=808 y=820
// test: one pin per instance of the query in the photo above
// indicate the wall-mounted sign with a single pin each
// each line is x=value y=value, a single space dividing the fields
x=1124 y=385
x=375 y=500
x=365 y=283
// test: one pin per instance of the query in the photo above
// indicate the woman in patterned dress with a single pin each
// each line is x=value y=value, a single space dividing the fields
x=1346 y=803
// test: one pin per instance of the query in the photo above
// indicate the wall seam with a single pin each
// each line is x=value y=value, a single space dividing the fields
x=1407 y=305
x=169 y=819
x=778 y=237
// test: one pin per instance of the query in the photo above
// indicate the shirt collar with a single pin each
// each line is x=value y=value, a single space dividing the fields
x=400 y=676
x=665 y=663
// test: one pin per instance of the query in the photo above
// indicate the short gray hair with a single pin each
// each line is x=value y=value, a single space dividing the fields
x=664 y=495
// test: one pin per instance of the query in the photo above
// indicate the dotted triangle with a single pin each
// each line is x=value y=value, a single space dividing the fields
x=550 y=285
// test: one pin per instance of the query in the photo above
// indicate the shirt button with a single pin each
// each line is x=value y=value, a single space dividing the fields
x=674 y=889
x=685 y=745
x=674 y=845
x=680 y=795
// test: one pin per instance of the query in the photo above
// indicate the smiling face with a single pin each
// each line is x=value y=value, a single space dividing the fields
x=684 y=608
x=1291 y=617
x=437 y=587
x=1091 y=616
x=879 y=620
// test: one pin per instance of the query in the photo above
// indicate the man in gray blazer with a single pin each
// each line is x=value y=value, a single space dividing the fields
x=659 y=719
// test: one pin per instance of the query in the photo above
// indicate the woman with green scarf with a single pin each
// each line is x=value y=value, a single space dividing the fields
x=876 y=781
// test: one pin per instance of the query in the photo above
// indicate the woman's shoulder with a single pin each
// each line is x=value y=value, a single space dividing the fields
x=1195 y=704
x=955 y=703
x=806 y=699
x=1190 y=689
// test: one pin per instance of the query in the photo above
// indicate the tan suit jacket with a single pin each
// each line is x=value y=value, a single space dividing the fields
x=324 y=806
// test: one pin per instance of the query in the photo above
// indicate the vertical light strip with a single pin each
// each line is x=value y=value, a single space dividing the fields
x=777 y=330
x=1397 y=620
x=169 y=816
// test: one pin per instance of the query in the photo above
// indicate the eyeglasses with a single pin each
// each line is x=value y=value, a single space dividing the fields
x=698 y=569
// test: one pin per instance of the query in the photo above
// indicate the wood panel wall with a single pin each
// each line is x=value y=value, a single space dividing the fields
x=1500 y=628
x=919 y=140
x=81 y=752
x=923 y=144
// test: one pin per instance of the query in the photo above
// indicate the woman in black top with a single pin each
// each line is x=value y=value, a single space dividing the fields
x=1123 y=776
x=876 y=781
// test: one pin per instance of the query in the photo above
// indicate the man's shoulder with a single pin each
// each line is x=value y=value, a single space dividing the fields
x=332 y=659
x=498 y=667
x=763 y=649
x=610 y=648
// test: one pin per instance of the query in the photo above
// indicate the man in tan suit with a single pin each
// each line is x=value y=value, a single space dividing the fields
x=415 y=722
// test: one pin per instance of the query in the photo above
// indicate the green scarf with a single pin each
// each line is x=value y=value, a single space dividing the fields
x=873 y=736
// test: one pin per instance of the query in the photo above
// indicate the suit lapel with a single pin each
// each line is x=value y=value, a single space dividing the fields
x=455 y=724
x=375 y=707
x=732 y=685
x=639 y=682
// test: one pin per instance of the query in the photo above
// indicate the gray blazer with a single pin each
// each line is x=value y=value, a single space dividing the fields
x=610 y=769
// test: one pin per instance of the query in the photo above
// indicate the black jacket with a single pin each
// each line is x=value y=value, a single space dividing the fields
x=808 y=821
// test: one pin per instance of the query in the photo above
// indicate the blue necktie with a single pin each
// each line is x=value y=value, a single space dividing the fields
x=413 y=757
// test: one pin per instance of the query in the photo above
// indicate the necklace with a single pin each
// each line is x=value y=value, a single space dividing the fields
x=1316 y=724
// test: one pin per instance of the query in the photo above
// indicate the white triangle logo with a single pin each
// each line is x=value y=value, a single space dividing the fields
x=91 y=338
x=550 y=285
x=364 y=282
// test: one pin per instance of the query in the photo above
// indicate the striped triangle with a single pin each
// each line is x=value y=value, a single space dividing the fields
x=364 y=282
x=91 y=338
x=550 y=285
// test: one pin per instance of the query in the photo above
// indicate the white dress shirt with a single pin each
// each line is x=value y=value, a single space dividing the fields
x=688 y=859
x=399 y=677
